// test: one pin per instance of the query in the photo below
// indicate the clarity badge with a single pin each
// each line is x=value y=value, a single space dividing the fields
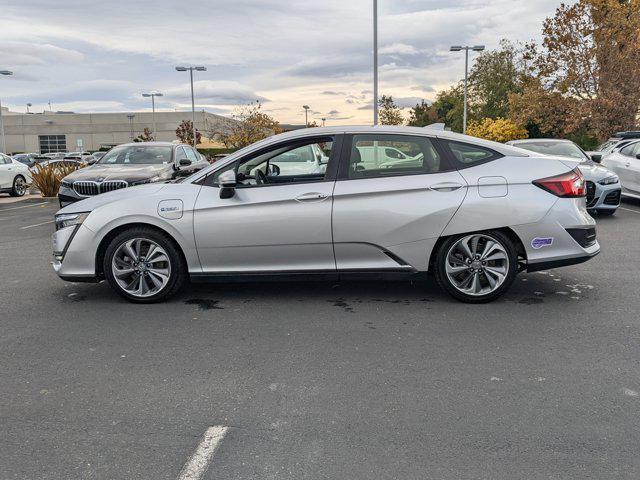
x=540 y=242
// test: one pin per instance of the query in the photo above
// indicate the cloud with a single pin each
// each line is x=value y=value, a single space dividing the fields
x=217 y=92
x=398 y=49
x=23 y=54
x=422 y=88
x=331 y=92
x=333 y=112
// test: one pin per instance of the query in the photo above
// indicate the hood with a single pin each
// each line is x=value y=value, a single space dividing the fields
x=128 y=173
x=594 y=172
x=91 y=203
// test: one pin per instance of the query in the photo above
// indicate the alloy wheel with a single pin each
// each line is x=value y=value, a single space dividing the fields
x=141 y=267
x=477 y=264
x=19 y=186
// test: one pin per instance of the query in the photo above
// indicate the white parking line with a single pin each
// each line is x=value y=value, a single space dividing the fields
x=199 y=461
x=629 y=210
x=24 y=206
x=36 y=225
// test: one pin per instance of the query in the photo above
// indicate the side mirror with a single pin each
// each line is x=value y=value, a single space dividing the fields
x=185 y=162
x=227 y=181
x=596 y=157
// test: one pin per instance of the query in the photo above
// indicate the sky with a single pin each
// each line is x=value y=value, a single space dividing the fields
x=101 y=56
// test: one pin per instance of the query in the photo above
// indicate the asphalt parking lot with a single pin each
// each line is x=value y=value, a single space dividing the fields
x=357 y=380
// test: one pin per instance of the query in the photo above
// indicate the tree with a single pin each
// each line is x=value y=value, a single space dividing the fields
x=390 y=113
x=146 y=136
x=591 y=53
x=499 y=130
x=423 y=114
x=185 y=133
x=252 y=125
x=449 y=105
x=494 y=75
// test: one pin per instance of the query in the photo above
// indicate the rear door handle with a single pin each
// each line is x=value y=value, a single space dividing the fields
x=445 y=187
x=311 y=197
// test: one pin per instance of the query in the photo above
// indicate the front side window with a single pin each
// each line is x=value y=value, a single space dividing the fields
x=631 y=150
x=289 y=163
x=137 y=155
x=469 y=154
x=389 y=155
x=191 y=155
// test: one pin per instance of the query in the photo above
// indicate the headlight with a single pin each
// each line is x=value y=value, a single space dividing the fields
x=69 y=219
x=609 y=180
x=66 y=184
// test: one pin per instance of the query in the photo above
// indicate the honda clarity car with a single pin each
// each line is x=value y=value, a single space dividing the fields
x=128 y=165
x=603 y=185
x=473 y=212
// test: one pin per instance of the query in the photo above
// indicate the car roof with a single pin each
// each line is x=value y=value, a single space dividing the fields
x=150 y=144
x=532 y=140
x=399 y=130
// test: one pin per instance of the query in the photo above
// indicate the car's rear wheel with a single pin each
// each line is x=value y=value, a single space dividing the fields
x=19 y=187
x=476 y=267
x=144 y=265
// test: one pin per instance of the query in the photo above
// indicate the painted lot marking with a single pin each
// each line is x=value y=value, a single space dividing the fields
x=36 y=225
x=199 y=462
x=629 y=210
x=23 y=206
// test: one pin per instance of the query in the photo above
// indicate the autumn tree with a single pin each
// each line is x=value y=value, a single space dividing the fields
x=145 y=136
x=185 y=133
x=422 y=114
x=251 y=126
x=449 y=106
x=591 y=53
x=390 y=113
x=498 y=130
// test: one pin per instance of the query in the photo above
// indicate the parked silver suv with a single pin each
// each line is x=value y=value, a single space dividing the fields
x=472 y=212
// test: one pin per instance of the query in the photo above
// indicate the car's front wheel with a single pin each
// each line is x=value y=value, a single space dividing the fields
x=144 y=265
x=476 y=267
x=19 y=187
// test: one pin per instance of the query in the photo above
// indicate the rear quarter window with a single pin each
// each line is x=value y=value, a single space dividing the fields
x=468 y=155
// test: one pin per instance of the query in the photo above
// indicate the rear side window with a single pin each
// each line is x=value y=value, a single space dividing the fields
x=631 y=150
x=390 y=155
x=469 y=155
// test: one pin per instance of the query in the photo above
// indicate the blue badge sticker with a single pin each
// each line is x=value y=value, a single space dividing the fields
x=540 y=242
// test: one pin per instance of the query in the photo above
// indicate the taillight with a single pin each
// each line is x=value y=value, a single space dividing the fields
x=566 y=185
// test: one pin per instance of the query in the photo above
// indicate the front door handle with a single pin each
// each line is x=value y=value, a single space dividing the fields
x=311 y=197
x=445 y=187
x=628 y=164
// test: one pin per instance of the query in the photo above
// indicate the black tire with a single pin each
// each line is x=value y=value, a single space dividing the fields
x=178 y=271
x=445 y=283
x=16 y=189
x=606 y=213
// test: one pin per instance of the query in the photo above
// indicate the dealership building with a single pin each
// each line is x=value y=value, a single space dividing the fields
x=67 y=131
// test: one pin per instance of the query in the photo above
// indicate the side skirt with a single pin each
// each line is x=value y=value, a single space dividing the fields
x=238 y=277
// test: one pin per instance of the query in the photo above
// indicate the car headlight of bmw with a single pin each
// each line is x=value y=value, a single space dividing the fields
x=609 y=180
x=66 y=184
x=65 y=220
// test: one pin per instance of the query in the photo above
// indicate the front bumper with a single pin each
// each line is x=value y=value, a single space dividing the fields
x=604 y=197
x=73 y=253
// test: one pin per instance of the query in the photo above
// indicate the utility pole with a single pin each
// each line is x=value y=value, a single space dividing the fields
x=193 y=104
x=458 y=48
x=375 y=62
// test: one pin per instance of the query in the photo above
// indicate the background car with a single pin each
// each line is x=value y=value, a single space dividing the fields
x=616 y=142
x=474 y=214
x=15 y=176
x=625 y=162
x=29 y=159
x=128 y=165
x=603 y=185
x=55 y=155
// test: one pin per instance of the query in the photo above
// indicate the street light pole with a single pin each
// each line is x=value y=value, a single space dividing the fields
x=323 y=120
x=193 y=104
x=153 y=96
x=306 y=110
x=131 y=116
x=458 y=48
x=375 y=62
x=4 y=144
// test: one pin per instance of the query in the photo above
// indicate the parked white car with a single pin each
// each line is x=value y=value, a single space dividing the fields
x=626 y=164
x=15 y=176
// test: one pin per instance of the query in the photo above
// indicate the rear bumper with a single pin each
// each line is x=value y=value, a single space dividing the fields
x=564 y=262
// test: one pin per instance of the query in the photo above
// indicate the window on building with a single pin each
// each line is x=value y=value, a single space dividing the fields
x=52 y=143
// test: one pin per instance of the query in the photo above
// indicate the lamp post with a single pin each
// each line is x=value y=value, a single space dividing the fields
x=458 y=48
x=375 y=62
x=4 y=145
x=131 y=116
x=323 y=120
x=306 y=111
x=29 y=105
x=190 y=69
x=153 y=96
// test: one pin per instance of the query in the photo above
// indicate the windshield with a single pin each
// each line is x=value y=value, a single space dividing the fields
x=137 y=155
x=567 y=149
